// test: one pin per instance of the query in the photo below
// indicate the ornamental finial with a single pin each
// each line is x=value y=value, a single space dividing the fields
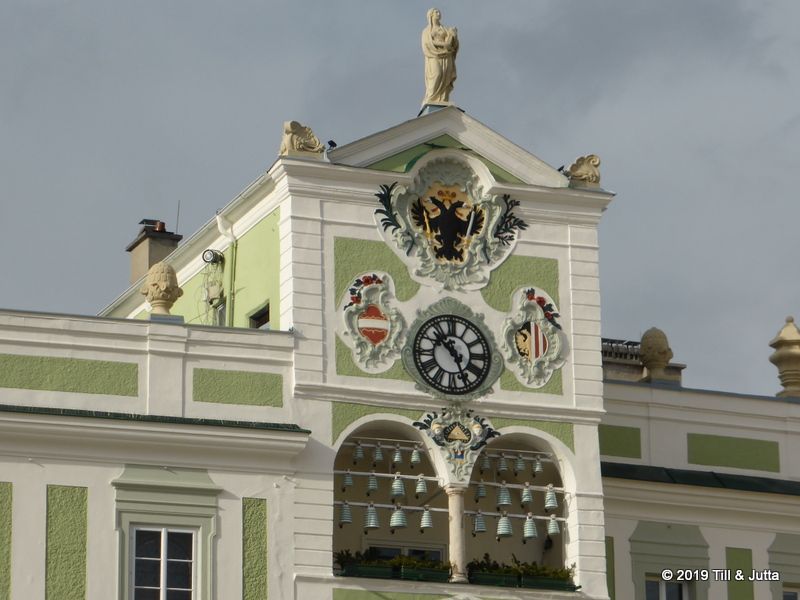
x=655 y=354
x=161 y=288
x=585 y=170
x=787 y=358
x=299 y=140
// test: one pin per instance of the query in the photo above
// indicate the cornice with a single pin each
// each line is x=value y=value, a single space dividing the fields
x=489 y=407
x=101 y=440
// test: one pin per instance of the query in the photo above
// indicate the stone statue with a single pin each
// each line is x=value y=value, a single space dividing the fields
x=440 y=46
x=298 y=140
x=161 y=288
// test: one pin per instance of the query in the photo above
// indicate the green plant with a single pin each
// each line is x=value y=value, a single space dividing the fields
x=520 y=568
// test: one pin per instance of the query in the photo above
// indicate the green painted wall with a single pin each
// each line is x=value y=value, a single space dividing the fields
x=345 y=413
x=562 y=431
x=345 y=365
x=610 y=576
x=254 y=549
x=616 y=440
x=237 y=387
x=741 y=559
x=510 y=383
x=192 y=305
x=352 y=257
x=403 y=161
x=256 y=279
x=741 y=453
x=5 y=540
x=258 y=272
x=57 y=374
x=518 y=271
x=67 y=522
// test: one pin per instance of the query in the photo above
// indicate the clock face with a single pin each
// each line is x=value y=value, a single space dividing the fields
x=451 y=354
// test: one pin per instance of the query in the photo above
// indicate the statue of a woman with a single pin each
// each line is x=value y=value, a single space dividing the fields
x=440 y=46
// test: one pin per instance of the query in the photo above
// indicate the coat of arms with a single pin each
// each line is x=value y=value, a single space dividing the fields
x=452 y=231
x=534 y=343
x=460 y=435
x=372 y=327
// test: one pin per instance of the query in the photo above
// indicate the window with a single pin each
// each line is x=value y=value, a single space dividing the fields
x=655 y=589
x=163 y=564
x=220 y=314
x=260 y=319
x=790 y=594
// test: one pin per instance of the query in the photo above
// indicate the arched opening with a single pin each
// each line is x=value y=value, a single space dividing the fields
x=384 y=467
x=516 y=476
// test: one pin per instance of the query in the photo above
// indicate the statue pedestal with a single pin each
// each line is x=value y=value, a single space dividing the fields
x=429 y=108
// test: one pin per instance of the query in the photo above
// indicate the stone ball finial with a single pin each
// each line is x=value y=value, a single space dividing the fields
x=161 y=288
x=787 y=358
x=655 y=354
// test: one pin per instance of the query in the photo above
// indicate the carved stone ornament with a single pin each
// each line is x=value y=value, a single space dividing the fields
x=655 y=353
x=161 y=288
x=585 y=170
x=299 y=140
x=460 y=435
x=450 y=352
x=533 y=342
x=371 y=326
x=452 y=232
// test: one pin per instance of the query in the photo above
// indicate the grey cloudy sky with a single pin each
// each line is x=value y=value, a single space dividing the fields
x=114 y=111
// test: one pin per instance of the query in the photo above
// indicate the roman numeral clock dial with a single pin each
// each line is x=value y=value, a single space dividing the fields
x=450 y=352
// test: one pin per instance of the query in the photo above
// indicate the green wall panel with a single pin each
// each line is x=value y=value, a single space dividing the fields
x=345 y=365
x=5 y=540
x=518 y=271
x=345 y=413
x=616 y=440
x=610 y=576
x=254 y=549
x=741 y=453
x=237 y=387
x=57 y=374
x=562 y=431
x=352 y=257
x=67 y=522
x=741 y=559
x=510 y=383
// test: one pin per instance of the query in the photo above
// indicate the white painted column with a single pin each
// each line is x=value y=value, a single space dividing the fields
x=458 y=549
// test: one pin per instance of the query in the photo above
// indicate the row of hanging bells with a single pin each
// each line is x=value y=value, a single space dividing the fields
x=378 y=456
x=526 y=498
x=399 y=520
x=520 y=465
x=398 y=485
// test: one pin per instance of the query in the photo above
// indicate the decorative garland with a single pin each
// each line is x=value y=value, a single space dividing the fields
x=547 y=307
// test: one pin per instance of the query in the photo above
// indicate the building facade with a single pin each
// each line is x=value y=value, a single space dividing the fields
x=383 y=359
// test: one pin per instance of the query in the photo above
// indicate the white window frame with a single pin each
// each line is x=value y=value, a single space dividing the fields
x=662 y=587
x=163 y=530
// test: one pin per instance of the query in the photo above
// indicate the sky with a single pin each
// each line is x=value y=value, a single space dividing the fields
x=111 y=112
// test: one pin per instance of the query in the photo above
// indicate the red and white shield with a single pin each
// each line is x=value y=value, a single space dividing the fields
x=531 y=341
x=373 y=324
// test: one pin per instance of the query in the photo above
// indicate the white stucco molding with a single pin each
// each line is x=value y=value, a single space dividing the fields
x=104 y=440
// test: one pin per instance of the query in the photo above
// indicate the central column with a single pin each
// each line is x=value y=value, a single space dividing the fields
x=458 y=550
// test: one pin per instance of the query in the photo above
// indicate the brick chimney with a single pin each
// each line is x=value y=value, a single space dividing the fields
x=152 y=245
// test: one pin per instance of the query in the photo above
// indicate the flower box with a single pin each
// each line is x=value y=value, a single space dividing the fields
x=546 y=583
x=423 y=574
x=495 y=579
x=373 y=571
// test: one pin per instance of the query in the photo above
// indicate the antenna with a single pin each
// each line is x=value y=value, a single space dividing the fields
x=178 y=216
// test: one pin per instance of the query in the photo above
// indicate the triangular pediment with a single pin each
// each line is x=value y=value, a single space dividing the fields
x=398 y=148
